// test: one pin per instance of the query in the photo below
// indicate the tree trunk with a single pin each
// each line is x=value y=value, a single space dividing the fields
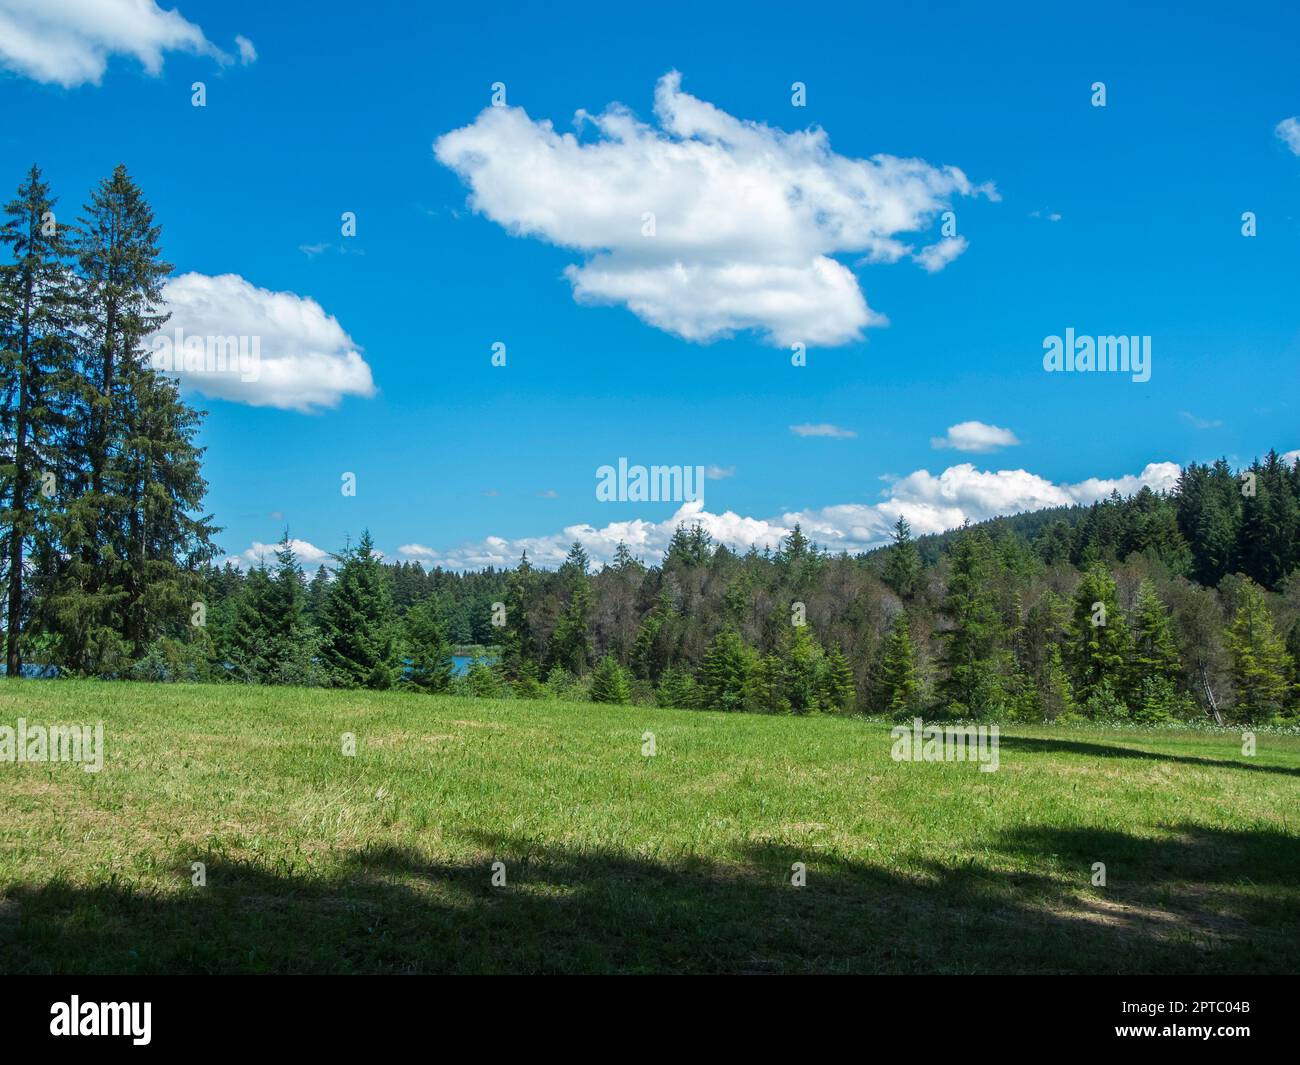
x=18 y=535
x=1209 y=696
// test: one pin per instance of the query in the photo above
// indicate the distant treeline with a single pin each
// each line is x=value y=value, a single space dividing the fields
x=1154 y=607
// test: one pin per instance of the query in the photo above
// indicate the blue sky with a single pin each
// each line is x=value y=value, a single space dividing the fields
x=1124 y=219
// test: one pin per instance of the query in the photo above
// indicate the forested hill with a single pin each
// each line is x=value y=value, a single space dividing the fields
x=1216 y=521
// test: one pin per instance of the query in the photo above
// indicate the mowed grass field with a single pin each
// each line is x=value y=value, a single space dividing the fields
x=618 y=862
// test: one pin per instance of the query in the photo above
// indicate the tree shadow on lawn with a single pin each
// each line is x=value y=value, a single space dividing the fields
x=1202 y=901
x=1036 y=745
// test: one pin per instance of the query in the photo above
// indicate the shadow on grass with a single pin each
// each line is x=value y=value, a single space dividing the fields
x=1036 y=745
x=1199 y=901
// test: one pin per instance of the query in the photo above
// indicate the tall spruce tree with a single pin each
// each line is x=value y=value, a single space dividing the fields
x=903 y=564
x=38 y=313
x=132 y=540
x=973 y=653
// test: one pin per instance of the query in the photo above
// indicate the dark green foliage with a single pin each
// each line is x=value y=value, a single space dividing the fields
x=1154 y=652
x=676 y=688
x=1099 y=646
x=429 y=665
x=571 y=640
x=973 y=654
x=899 y=693
x=903 y=565
x=359 y=627
x=835 y=686
x=1261 y=667
x=725 y=672
x=609 y=683
x=269 y=639
x=37 y=310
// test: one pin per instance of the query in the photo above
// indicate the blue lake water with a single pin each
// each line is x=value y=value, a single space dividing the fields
x=460 y=663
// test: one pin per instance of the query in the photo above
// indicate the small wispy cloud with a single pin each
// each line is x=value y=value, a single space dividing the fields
x=934 y=257
x=1201 y=423
x=1048 y=216
x=975 y=437
x=1288 y=131
x=719 y=473
x=313 y=250
x=823 y=429
x=550 y=493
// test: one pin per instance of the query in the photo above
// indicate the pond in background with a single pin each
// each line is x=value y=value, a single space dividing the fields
x=460 y=663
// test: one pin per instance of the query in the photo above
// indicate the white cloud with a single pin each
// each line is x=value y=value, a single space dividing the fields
x=975 y=436
x=930 y=503
x=823 y=429
x=719 y=473
x=258 y=553
x=1289 y=132
x=1201 y=423
x=746 y=218
x=416 y=551
x=306 y=362
x=68 y=42
x=1291 y=457
x=935 y=257
x=247 y=53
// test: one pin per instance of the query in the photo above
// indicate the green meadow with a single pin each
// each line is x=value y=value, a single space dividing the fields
x=616 y=861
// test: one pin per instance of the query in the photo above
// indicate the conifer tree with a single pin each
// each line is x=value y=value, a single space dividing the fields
x=836 y=682
x=676 y=688
x=1099 y=645
x=973 y=646
x=765 y=686
x=571 y=640
x=903 y=564
x=251 y=646
x=1154 y=652
x=269 y=639
x=652 y=649
x=802 y=664
x=37 y=314
x=358 y=629
x=520 y=647
x=608 y=683
x=1055 y=691
x=131 y=535
x=1261 y=667
x=428 y=649
x=900 y=682
x=727 y=666
x=317 y=592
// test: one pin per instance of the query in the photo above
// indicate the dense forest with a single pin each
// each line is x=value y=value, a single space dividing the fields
x=1156 y=607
